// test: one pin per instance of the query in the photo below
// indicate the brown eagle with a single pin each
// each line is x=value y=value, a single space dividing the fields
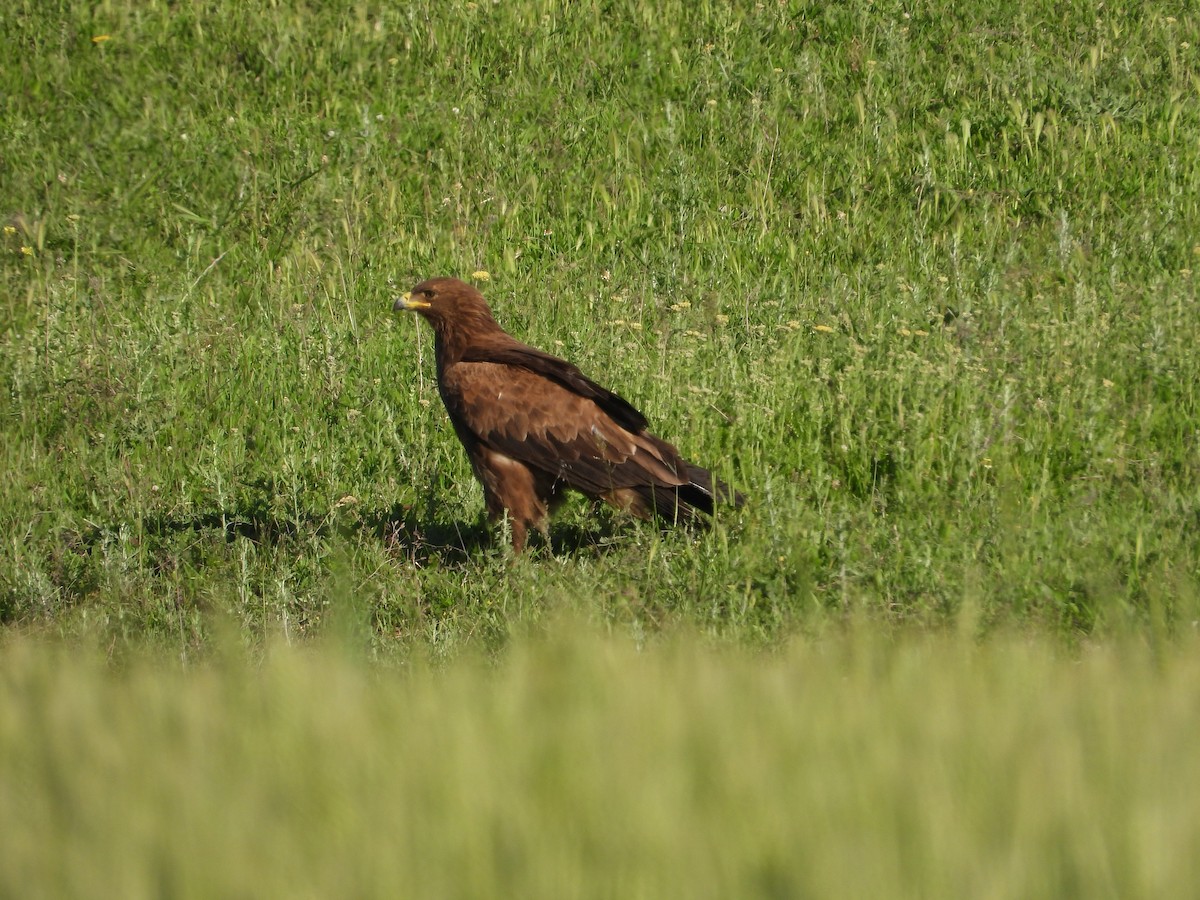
x=533 y=424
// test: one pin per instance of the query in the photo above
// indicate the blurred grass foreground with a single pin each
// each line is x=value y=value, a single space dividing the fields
x=585 y=767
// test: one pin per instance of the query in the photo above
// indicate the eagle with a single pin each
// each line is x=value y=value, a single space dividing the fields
x=534 y=426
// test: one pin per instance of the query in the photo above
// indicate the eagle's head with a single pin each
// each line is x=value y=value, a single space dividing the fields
x=456 y=310
x=443 y=298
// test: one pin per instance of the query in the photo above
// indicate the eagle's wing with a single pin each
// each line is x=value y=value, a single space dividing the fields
x=510 y=352
x=560 y=431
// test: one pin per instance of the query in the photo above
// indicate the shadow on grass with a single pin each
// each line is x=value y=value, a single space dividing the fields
x=256 y=528
x=405 y=534
x=419 y=540
x=409 y=537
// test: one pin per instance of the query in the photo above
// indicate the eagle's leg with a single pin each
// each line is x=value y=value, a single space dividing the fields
x=519 y=533
x=509 y=487
x=520 y=528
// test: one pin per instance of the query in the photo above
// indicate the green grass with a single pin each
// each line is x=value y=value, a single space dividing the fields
x=918 y=279
x=849 y=766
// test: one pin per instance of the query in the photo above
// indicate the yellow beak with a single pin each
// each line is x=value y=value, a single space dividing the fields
x=406 y=302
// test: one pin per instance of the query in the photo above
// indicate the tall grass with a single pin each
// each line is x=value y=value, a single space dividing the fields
x=854 y=765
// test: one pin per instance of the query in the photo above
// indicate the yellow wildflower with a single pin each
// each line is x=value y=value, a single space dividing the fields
x=101 y=38
x=825 y=329
x=481 y=275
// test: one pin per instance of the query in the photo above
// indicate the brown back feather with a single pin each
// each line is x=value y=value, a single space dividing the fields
x=561 y=371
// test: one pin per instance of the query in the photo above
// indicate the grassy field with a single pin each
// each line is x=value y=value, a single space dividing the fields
x=918 y=279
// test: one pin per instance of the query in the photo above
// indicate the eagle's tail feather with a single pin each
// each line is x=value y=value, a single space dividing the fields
x=685 y=502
